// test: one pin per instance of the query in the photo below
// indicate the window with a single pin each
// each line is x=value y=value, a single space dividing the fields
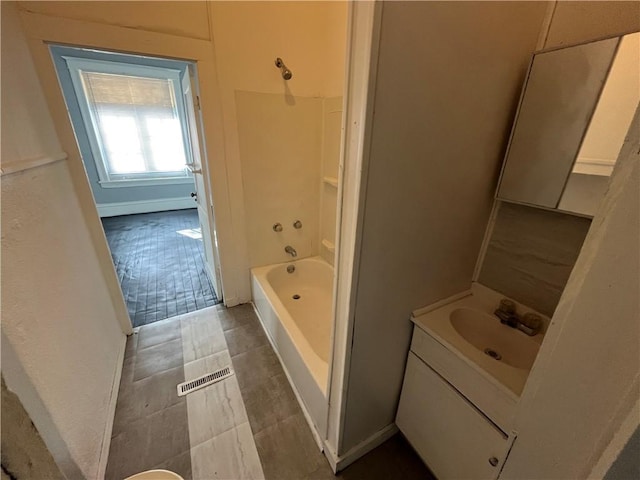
x=135 y=120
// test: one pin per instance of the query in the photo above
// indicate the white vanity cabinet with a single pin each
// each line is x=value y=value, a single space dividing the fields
x=452 y=436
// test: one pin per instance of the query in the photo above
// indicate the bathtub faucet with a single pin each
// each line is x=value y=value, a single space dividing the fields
x=291 y=251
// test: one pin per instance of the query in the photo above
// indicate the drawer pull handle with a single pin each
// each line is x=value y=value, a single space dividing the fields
x=493 y=461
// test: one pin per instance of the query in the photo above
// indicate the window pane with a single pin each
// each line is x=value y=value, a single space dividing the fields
x=165 y=138
x=121 y=143
x=137 y=124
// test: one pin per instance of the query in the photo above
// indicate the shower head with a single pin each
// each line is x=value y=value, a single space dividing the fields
x=286 y=73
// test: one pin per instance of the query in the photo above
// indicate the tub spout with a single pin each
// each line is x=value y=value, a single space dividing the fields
x=291 y=251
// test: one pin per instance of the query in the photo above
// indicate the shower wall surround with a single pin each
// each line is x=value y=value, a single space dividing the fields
x=273 y=126
x=331 y=137
x=288 y=146
x=280 y=142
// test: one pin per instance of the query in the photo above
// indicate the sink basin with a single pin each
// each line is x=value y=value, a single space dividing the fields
x=500 y=342
x=486 y=361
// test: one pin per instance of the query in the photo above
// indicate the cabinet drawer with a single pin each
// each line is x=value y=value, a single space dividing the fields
x=453 y=438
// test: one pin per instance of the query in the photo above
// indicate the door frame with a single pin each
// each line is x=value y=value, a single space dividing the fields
x=363 y=40
x=42 y=30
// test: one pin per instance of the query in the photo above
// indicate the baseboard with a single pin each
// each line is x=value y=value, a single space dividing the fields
x=231 y=301
x=340 y=462
x=144 y=206
x=115 y=389
x=303 y=407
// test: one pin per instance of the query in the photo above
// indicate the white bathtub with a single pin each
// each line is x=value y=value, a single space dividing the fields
x=299 y=328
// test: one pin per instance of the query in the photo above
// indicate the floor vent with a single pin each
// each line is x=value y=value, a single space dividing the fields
x=204 y=381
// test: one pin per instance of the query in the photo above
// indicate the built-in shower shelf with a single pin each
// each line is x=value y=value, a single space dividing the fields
x=330 y=246
x=333 y=181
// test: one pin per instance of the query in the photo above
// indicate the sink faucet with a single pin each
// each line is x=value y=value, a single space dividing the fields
x=291 y=251
x=530 y=323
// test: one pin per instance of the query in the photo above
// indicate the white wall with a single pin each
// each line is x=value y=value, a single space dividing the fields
x=616 y=106
x=25 y=108
x=24 y=454
x=272 y=164
x=111 y=31
x=586 y=380
x=308 y=36
x=582 y=21
x=184 y=19
x=61 y=340
x=246 y=38
x=449 y=75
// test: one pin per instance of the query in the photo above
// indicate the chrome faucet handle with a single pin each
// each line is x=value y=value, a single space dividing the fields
x=507 y=306
x=277 y=227
x=532 y=321
x=506 y=312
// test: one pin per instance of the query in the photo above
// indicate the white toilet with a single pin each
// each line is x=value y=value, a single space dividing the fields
x=155 y=475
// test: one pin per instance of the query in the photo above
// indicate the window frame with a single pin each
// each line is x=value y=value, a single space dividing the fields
x=76 y=65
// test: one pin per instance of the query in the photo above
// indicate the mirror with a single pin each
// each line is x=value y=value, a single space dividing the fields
x=575 y=111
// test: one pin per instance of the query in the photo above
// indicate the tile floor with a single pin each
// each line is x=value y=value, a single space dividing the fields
x=161 y=270
x=247 y=426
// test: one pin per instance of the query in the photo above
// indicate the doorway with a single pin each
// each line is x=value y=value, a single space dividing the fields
x=137 y=123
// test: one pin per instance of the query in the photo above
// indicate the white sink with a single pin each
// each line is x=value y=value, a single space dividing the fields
x=496 y=340
x=486 y=361
x=467 y=327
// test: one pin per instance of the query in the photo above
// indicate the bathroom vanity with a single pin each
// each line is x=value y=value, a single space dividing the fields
x=464 y=376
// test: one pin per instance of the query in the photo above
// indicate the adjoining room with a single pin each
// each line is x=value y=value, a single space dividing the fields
x=134 y=120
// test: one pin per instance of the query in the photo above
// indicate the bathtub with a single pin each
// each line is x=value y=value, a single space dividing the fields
x=295 y=311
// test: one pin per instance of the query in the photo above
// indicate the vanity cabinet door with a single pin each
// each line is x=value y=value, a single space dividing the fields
x=453 y=438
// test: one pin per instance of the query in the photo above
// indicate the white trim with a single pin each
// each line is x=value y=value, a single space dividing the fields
x=594 y=166
x=146 y=182
x=441 y=303
x=546 y=25
x=144 y=206
x=230 y=301
x=339 y=463
x=16 y=166
x=362 y=53
x=78 y=64
x=117 y=67
x=333 y=181
x=488 y=233
x=113 y=400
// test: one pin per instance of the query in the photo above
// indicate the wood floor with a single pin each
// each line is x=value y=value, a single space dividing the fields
x=159 y=265
x=246 y=426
